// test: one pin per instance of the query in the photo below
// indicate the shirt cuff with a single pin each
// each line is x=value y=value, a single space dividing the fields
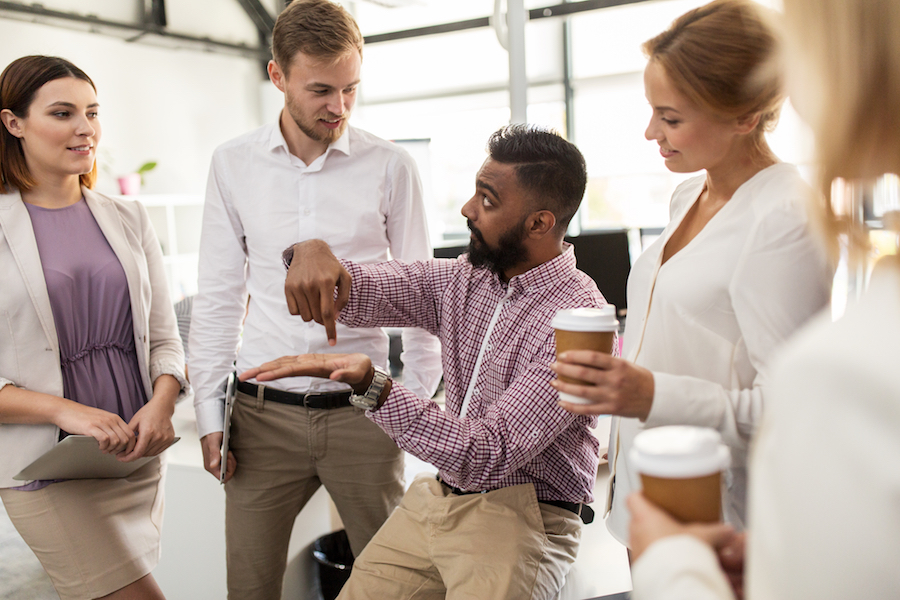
x=680 y=400
x=398 y=412
x=287 y=256
x=5 y=382
x=679 y=567
x=164 y=367
x=210 y=417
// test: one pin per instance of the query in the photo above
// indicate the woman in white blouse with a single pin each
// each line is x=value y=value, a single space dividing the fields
x=824 y=514
x=735 y=272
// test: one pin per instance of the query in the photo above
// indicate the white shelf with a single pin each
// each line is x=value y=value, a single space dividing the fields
x=177 y=219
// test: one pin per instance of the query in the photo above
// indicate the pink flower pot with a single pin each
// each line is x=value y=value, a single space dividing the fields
x=130 y=184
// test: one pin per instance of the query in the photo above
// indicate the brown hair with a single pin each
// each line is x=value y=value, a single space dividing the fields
x=844 y=60
x=719 y=57
x=19 y=83
x=321 y=29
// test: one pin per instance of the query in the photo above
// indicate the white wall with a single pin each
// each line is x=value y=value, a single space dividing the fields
x=171 y=106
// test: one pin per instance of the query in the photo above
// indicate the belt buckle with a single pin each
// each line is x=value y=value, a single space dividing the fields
x=306 y=396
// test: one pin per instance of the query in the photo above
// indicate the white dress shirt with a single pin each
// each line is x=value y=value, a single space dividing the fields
x=824 y=481
x=707 y=322
x=363 y=197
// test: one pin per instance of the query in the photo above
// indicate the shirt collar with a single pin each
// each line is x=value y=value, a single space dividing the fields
x=276 y=140
x=545 y=274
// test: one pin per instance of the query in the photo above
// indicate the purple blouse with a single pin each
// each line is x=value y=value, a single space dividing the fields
x=91 y=307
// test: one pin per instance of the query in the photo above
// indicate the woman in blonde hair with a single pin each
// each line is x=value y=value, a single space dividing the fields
x=736 y=271
x=88 y=340
x=824 y=510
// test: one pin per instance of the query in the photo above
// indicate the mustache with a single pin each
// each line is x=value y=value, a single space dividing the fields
x=475 y=231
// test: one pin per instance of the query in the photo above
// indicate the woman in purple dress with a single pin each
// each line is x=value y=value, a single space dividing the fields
x=88 y=339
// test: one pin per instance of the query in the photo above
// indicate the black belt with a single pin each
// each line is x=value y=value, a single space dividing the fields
x=581 y=510
x=310 y=400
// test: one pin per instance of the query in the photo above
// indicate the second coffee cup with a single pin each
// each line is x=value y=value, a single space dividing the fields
x=584 y=329
x=681 y=470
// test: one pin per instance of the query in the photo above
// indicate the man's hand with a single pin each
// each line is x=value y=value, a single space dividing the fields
x=650 y=523
x=616 y=386
x=353 y=369
x=211 y=445
x=309 y=286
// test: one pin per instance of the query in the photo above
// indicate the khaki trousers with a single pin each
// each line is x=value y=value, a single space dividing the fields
x=498 y=545
x=284 y=453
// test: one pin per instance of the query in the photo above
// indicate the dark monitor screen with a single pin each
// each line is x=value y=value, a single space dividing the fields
x=449 y=251
x=602 y=255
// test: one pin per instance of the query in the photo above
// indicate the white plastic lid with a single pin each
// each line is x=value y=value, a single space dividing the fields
x=677 y=451
x=586 y=319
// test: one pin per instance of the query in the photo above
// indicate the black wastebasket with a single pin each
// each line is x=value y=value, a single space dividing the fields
x=334 y=560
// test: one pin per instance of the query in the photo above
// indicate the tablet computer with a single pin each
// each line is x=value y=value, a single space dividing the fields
x=79 y=457
x=230 y=392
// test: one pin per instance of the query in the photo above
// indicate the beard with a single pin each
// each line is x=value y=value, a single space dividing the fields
x=309 y=125
x=510 y=250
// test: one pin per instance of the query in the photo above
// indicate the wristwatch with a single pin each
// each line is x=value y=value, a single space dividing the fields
x=369 y=399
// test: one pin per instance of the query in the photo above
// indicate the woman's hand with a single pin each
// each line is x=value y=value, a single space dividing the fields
x=649 y=523
x=615 y=386
x=152 y=424
x=353 y=369
x=110 y=431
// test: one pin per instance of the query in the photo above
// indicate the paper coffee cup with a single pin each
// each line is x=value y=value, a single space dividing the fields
x=681 y=470
x=584 y=329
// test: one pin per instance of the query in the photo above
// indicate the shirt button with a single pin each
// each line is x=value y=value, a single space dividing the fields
x=306 y=212
x=476 y=392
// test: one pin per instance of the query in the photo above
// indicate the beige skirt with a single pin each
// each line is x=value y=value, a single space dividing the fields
x=93 y=536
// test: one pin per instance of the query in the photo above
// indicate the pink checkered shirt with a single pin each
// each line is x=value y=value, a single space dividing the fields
x=513 y=431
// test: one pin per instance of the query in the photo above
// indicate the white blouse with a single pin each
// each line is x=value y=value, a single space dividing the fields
x=706 y=322
x=824 y=481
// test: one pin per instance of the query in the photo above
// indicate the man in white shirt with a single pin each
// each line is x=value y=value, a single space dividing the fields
x=309 y=176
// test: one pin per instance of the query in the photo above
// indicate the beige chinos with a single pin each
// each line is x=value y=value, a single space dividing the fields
x=284 y=453
x=495 y=546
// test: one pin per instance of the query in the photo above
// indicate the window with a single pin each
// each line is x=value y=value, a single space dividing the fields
x=451 y=90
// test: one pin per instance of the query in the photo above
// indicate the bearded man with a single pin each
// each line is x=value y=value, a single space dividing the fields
x=502 y=520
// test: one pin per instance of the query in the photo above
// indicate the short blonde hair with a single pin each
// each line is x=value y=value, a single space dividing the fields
x=719 y=56
x=320 y=29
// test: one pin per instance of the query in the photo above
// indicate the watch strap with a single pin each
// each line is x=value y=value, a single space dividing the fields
x=369 y=399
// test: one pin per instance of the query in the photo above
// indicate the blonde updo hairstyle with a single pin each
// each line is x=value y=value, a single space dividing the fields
x=719 y=56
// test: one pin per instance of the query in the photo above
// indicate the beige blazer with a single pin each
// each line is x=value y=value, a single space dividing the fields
x=29 y=348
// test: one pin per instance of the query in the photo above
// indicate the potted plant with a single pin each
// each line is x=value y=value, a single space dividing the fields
x=131 y=184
